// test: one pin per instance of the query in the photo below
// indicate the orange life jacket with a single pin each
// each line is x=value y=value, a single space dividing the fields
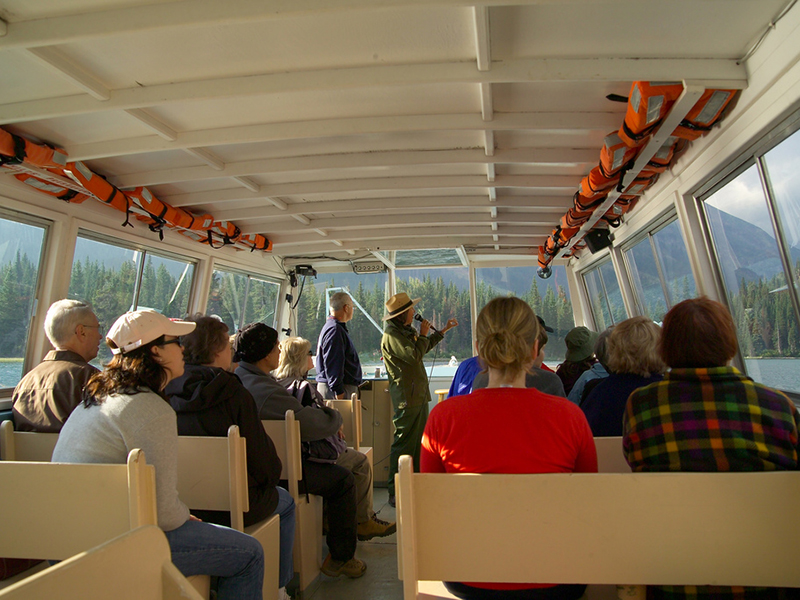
x=621 y=207
x=711 y=108
x=52 y=189
x=160 y=213
x=648 y=103
x=99 y=187
x=596 y=183
x=615 y=154
x=16 y=149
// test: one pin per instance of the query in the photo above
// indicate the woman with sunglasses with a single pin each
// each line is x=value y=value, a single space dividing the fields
x=124 y=408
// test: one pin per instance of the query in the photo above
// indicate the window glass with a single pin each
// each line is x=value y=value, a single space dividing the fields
x=104 y=275
x=444 y=295
x=166 y=285
x=752 y=271
x=646 y=281
x=226 y=297
x=597 y=299
x=441 y=256
x=675 y=265
x=262 y=300
x=549 y=299
x=21 y=247
x=368 y=292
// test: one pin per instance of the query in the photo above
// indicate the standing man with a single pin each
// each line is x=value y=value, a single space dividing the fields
x=338 y=366
x=403 y=351
x=46 y=396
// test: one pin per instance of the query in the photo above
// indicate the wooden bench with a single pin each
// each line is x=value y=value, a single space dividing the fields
x=610 y=458
x=352 y=414
x=636 y=528
x=54 y=511
x=308 y=508
x=212 y=475
x=25 y=445
x=132 y=566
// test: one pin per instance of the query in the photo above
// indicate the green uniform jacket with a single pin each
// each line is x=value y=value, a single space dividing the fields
x=402 y=351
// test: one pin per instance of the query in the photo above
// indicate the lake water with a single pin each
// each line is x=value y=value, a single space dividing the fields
x=781 y=373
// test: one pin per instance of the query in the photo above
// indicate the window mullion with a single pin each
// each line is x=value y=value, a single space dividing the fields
x=660 y=271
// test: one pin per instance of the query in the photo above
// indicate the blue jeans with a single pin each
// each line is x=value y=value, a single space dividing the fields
x=236 y=558
x=286 y=511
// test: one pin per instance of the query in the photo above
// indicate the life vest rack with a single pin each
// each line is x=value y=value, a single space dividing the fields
x=629 y=164
x=48 y=170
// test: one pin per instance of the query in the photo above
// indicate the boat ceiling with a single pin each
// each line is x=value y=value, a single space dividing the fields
x=344 y=127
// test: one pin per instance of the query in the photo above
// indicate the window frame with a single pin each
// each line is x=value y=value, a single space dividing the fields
x=220 y=266
x=595 y=266
x=36 y=319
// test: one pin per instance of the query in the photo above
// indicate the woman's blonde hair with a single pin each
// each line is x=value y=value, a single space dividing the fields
x=633 y=348
x=507 y=330
x=294 y=358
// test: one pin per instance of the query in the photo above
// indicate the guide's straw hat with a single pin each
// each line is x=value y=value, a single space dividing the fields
x=398 y=304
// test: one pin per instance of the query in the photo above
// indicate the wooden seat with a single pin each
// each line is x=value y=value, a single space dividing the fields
x=308 y=508
x=352 y=414
x=610 y=458
x=133 y=566
x=25 y=445
x=54 y=510
x=212 y=475
x=609 y=528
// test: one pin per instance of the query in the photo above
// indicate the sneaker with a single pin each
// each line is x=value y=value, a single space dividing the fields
x=353 y=568
x=392 y=501
x=375 y=527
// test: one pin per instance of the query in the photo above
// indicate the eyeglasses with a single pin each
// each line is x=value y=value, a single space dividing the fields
x=172 y=341
x=310 y=353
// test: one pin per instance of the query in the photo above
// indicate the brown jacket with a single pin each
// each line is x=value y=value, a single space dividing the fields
x=46 y=396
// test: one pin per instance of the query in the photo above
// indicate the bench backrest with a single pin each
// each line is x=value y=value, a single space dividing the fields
x=25 y=445
x=286 y=437
x=639 y=528
x=351 y=420
x=134 y=565
x=55 y=510
x=610 y=458
x=212 y=474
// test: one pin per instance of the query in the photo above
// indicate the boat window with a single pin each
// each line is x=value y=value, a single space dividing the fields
x=549 y=299
x=239 y=298
x=754 y=227
x=21 y=247
x=604 y=295
x=368 y=292
x=115 y=279
x=660 y=271
x=440 y=256
x=445 y=295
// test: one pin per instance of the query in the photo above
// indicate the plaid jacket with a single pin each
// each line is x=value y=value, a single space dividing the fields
x=714 y=419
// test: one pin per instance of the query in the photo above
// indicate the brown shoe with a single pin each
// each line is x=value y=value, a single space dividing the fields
x=353 y=568
x=375 y=527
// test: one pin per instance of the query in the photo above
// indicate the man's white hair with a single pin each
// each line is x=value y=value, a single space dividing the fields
x=339 y=299
x=63 y=317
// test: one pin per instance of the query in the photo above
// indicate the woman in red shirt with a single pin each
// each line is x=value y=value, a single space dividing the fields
x=507 y=428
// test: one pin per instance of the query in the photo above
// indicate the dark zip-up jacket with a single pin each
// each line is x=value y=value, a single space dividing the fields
x=337 y=361
x=208 y=400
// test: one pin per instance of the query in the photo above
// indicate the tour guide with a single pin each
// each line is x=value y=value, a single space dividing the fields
x=403 y=351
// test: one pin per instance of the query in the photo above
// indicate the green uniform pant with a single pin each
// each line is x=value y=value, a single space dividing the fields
x=409 y=425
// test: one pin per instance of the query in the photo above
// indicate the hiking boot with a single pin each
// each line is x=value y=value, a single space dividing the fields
x=375 y=527
x=353 y=568
x=392 y=501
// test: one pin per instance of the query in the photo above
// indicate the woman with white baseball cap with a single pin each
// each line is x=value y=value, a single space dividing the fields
x=124 y=408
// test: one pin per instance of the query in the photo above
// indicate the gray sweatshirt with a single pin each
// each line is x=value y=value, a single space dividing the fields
x=106 y=433
x=273 y=400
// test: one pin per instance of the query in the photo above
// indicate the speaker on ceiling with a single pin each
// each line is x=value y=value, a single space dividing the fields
x=597 y=239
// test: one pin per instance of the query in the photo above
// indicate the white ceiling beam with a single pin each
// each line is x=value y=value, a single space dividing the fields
x=302 y=219
x=491 y=173
x=488 y=142
x=166 y=132
x=713 y=73
x=322 y=232
x=277 y=203
x=408 y=243
x=535 y=156
x=483 y=44
x=206 y=156
x=552 y=122
x=198 y=13
x=306 y=188
x=247 y=183
x=56 y=60
x=493 y=212
x=383 y=259
x=492 y=194
x=462 y=254
x=487 y=104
